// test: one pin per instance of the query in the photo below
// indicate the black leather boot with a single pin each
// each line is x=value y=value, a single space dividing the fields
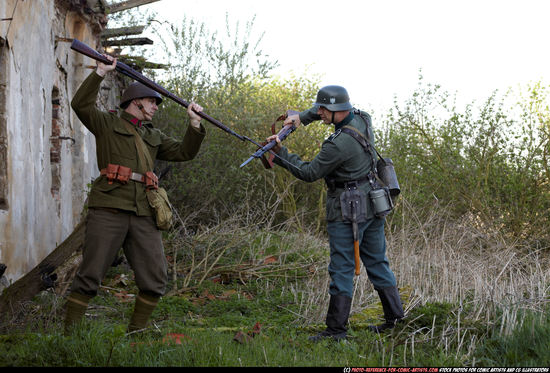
x=337 y=317
x=393 y=309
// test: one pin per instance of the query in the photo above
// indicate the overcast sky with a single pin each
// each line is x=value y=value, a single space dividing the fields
x=376 y=49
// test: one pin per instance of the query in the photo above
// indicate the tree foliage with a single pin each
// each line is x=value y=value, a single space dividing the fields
x=489 y=161
x=231 y=80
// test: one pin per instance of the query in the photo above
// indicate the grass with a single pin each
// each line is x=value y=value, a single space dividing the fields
x=472 y=298
x=528 y=343
x=102 y=341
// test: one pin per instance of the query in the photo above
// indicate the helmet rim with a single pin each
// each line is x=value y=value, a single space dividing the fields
x=137 y=90
x=333 y=98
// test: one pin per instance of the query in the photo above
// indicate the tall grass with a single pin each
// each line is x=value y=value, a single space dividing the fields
x=471 y=281
x=464 y=261
x=468 y=261
x=469 y=294
x=462 y=280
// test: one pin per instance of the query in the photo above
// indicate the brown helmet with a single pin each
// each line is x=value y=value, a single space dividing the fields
x=138 y=90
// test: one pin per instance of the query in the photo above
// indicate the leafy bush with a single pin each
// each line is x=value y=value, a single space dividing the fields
x=231 y=82
x=491 y=162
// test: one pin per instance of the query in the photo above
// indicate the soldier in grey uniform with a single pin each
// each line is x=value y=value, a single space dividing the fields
x=342 y=160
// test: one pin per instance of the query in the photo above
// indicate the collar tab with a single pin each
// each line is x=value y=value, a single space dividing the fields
x=130 y=118
x=136 y=122
x=345 y=121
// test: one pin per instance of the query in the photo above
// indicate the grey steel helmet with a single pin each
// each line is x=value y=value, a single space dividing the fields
x=333 y=98
x=138 y=90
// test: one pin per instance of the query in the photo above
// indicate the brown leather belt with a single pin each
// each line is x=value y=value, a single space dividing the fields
x=122 y=174
x=140 y=178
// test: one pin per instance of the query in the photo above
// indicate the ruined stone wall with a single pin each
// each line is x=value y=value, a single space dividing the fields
x=47 y=158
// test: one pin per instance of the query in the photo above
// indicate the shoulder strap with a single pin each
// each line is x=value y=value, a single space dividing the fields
x=357 y=135
x=361 y=139
x=368 y=124
x=143 y=153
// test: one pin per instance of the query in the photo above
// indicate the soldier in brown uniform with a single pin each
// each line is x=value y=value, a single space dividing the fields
x=119 y=212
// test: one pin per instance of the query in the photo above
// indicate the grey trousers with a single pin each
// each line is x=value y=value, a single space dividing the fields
x=106 y=233
x=372 y=248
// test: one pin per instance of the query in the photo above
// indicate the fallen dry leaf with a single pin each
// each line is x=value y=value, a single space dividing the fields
x=270 y=259
x=256 y=329
x=170 y=338
x=175 y=338
x=243 y=338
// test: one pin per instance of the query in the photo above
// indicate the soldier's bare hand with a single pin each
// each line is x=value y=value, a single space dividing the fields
x=293 y=119
x=277 y=147
x=103 y=69
x=192 y=111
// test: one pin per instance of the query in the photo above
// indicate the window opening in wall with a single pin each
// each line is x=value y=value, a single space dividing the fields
x=55 y=146
x=3 y=126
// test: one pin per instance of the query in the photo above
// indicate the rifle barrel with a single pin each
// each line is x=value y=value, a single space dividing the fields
x=84 y=49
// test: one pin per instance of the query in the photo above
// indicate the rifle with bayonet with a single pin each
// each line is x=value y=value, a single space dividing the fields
x=84 y=49
x=266 y=147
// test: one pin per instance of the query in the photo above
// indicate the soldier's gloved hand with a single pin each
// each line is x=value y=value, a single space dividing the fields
x=103 y=69
x=293 y=119
x=276 y=148
x=192 y=111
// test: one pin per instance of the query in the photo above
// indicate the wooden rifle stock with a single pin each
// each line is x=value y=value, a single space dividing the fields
x=84 y=49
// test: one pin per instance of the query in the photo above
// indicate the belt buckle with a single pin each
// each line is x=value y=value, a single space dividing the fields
x=349 y=185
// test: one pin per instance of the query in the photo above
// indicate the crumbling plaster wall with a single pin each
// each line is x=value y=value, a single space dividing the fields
x=50 y=155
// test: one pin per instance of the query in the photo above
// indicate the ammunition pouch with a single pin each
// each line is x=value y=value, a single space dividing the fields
x=115 y=172
x=122 y=174
x=111 y=172
x=151 y=180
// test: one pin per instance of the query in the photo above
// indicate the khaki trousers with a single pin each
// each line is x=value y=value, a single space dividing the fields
x=109 y=230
